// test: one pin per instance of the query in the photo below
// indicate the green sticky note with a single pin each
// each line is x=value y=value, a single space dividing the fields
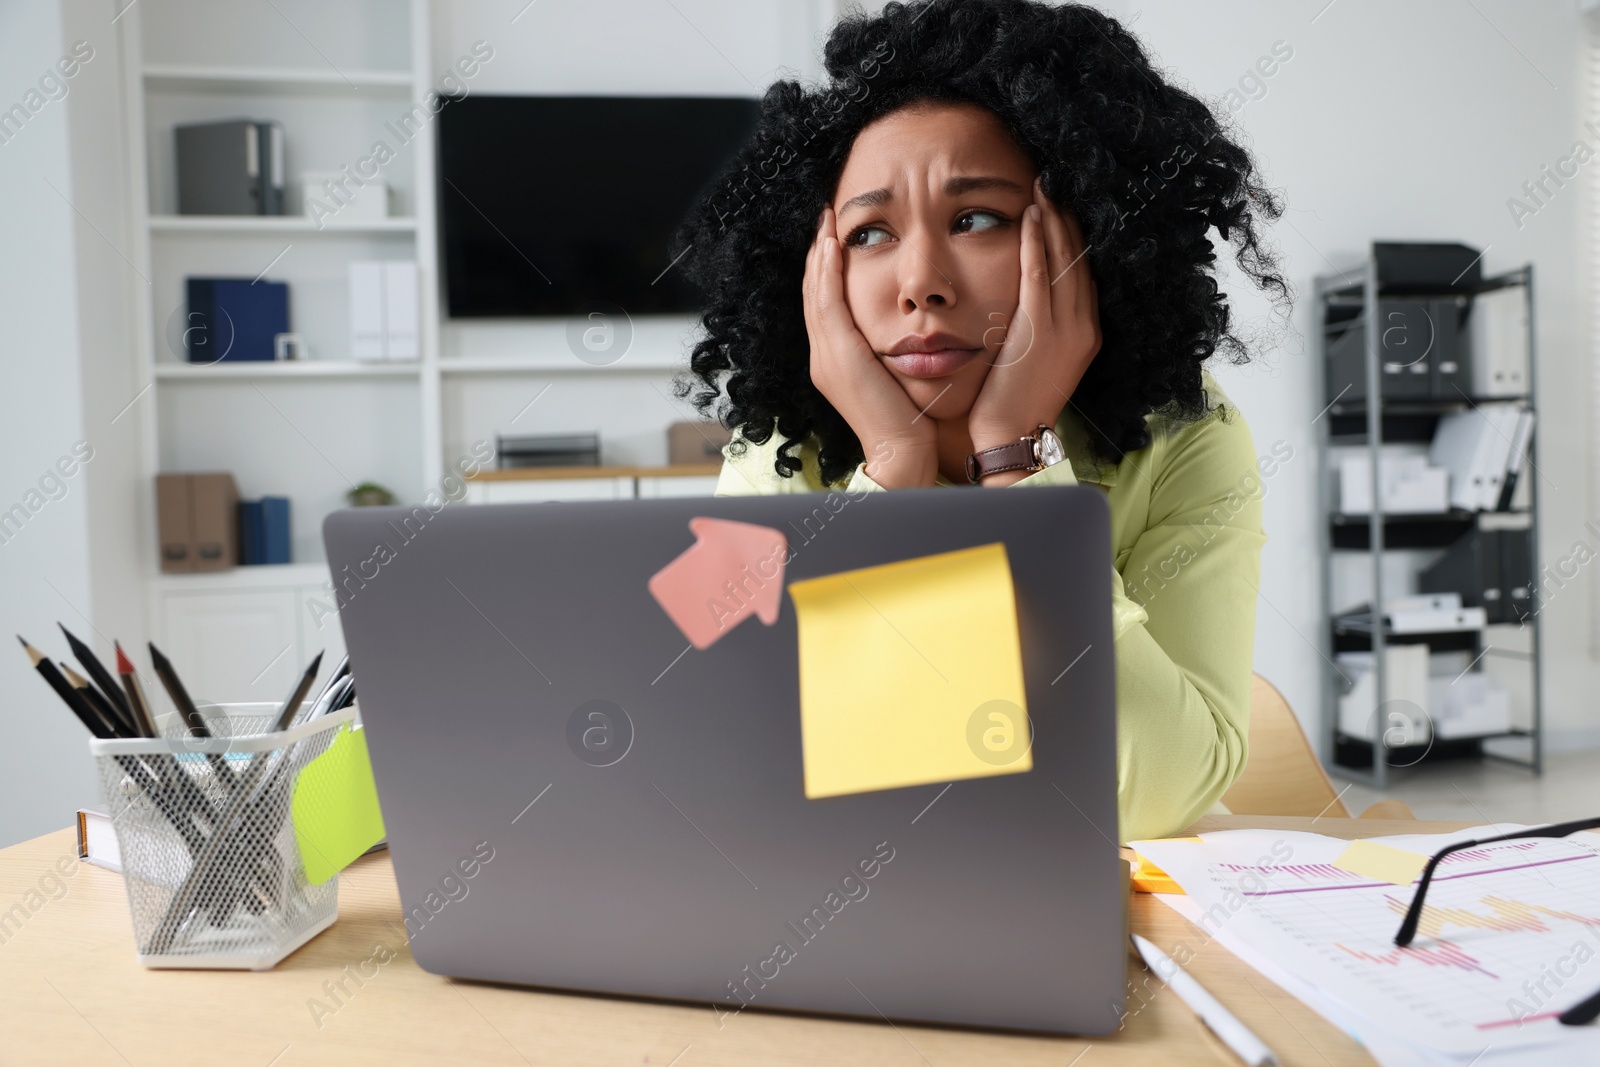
x=335 y=807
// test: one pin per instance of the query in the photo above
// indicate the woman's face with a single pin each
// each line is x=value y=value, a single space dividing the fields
x=929 y=218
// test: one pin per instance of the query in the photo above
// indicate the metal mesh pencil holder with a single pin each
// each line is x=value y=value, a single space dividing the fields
x=213 y=872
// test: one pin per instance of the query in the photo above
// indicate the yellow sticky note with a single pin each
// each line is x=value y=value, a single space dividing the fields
x=1381 y=863
x=335 y=807
x=910 y=673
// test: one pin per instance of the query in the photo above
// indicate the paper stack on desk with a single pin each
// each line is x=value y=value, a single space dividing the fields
x=1510 y=936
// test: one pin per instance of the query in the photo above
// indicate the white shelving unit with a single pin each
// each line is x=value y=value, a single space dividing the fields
x=339 y=77
x=312 y=428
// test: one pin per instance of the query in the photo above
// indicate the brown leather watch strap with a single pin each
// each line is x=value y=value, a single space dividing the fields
x=1018 y=455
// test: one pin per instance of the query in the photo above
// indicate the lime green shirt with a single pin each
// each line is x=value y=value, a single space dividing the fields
x=1186 y=539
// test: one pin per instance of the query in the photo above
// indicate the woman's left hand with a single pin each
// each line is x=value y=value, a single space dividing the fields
x=1051 y=338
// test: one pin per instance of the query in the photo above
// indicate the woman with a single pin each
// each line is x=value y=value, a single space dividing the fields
x=983 y=248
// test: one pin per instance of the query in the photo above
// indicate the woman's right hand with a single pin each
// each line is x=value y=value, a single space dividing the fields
x=901 y=449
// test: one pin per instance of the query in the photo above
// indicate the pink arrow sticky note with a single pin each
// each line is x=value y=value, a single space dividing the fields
x=733 y=569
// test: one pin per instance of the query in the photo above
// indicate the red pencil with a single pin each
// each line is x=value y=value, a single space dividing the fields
x=137 y=704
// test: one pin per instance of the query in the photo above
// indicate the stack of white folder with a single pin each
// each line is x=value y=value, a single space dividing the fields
x=383 y=310
x=1484 y=449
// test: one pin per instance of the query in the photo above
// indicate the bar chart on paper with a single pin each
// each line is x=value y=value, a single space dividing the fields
x=1509 y=938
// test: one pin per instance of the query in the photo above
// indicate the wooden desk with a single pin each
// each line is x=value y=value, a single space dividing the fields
x=74 y=994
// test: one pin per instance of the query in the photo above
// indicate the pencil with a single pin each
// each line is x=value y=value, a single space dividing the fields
x=137 y=704
x=94 y=702
x=292 y=705
x=64 y=690
x=102 y=678
x=191 y=714
x=180 y=695
x=74 y=699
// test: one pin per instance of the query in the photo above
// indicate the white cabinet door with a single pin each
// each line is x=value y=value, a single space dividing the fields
x=694 y=485
x=233 y=646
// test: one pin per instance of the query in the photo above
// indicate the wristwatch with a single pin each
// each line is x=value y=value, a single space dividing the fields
x=1038 y=450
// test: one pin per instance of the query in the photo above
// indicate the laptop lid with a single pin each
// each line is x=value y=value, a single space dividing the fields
x=667 y=848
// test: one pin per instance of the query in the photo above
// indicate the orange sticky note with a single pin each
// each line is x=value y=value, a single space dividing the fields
x=732 y=571
x=910 y=673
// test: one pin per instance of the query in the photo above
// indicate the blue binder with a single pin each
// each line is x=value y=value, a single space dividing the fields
x=275 y=529
x=234 y=319
x=264 y=530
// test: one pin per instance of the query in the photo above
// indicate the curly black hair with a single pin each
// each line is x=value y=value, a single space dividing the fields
x=1146 y=166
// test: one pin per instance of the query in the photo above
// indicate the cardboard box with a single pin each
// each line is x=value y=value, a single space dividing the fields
x=198 y=521
x=173 y=528
x=696 y=442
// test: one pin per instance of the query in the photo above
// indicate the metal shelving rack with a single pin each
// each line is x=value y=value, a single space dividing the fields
x=1364 y=423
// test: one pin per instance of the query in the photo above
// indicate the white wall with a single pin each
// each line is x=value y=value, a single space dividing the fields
x=74 y=560
x=1410 y=121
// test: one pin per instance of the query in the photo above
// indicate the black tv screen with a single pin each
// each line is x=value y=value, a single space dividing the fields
x=552 y=203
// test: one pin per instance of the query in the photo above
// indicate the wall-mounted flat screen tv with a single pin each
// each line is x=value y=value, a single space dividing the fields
x=548 y=204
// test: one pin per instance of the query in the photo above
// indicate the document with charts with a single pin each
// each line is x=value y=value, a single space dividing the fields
x=1510 y=934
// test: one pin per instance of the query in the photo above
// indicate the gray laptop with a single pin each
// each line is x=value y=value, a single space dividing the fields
x=577 y=798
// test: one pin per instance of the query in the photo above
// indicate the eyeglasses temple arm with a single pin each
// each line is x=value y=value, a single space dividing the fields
x=1408 y=928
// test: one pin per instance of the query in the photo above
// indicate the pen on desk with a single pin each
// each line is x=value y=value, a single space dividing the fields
x=102 y=678
x=1218 y=1019
x=292 y=705
x=138 y=706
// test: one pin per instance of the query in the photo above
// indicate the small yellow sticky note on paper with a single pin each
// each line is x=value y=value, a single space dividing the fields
x=911 y=673
x=335 y=807
x=1381 y=863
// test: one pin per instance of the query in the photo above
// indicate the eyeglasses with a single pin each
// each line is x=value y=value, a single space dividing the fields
x=1585 y=1011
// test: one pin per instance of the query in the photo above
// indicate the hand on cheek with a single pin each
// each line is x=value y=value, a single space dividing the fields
x=1051 y=338
x=900 y=448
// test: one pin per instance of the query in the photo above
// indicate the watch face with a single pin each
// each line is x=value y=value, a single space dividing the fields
x=1050 y=449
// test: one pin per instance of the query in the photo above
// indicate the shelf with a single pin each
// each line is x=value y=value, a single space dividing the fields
x=1353 y=755
x=1359 y=639
x=1430 y=407
x=1349 y=289
x=299 y=81
x=266 y=370
x=262 y=576
x=233 y=225
x=556 y=365
x=1453 y=515
x=1353 y=532
x=1408 y=422
x=529 y=474
x=1512 y=732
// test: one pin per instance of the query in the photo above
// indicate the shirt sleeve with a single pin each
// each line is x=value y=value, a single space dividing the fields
x=1183 y=671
